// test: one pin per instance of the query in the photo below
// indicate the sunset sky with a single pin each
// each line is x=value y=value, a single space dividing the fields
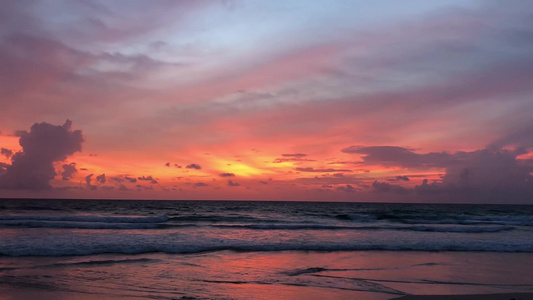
x=414 y=101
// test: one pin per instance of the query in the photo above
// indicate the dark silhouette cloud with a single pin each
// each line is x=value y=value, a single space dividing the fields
x=167 y=164
x=347 y=188
x=3 y=167
x=177 y=166
x=130 y=179
x=399 y=156
x=384 y=187
x=478 y=172
x=227 y=175
x=321 y=170
x=6 y=152
x=201 y=184
x=194 y=166
x=68 y=171
x=521 y=137
x=402 y=178
x=88 y=180
x=146 y=178
x=489 y=169
x=101 y=179
x=232 y=183
x=32 y=168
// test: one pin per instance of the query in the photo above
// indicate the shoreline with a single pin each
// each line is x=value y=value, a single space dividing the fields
x=499 y=296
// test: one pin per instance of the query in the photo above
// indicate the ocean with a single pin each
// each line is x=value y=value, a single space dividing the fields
x=118 y=249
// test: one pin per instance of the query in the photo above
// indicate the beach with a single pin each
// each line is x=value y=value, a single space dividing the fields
x=89 y=250
x=506 y=296
x=266 y=275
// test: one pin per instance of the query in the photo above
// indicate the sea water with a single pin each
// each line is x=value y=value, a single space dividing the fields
x=263 y=250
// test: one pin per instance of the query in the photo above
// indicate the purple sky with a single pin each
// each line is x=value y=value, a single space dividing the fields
x=415 y=101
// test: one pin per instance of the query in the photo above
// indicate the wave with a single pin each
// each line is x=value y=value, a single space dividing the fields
x=427 y=228
x=102 y=225
x=86 y=218
x=267 y=248
x=421 y=218
x=79 y=225
x=75 y=245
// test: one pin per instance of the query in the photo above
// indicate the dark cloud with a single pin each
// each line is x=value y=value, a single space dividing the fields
x=384 y=187
x=263 y=182
x=167 y=164
x=88 y=180
x=68 y=171
x=402 y=178
x=321 y=170
x=227 y=175
x=130 y=179
x=399 y=156
x=347 y=188
x=32 y=168
x=177 y=166
x=488 y=169
x=3 y=167
x=146 y=178
x=6 y=152
x=201 y=184
x=521 y=138
x=153 y=181
x=232 y=183
x=101 y=179
x=194 y=166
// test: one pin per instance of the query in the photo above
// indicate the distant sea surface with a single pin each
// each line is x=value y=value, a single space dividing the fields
x=233 y=249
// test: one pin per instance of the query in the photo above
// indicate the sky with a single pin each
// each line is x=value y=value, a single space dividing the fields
x=390 y=101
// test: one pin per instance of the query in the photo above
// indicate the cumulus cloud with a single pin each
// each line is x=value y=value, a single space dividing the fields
x=489 y=169
x=346 y=188
x=88 y=180
x=32 y=168
x=6 y=152
x=145 y=178
x=68 y=171
x=227 y=175
x=479 y=171
x=385 y=187
x=402 y=178
x=194 y=166
x=232 y=183
x=101 y=179
x=399 y=156
x=130 y=179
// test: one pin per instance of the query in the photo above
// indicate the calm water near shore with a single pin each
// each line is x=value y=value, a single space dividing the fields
x=88 y=249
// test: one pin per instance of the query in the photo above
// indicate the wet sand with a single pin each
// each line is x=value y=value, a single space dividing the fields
x=505 y=296
x=295 y=275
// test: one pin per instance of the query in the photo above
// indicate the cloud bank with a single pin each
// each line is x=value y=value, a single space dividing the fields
x=33 y=167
